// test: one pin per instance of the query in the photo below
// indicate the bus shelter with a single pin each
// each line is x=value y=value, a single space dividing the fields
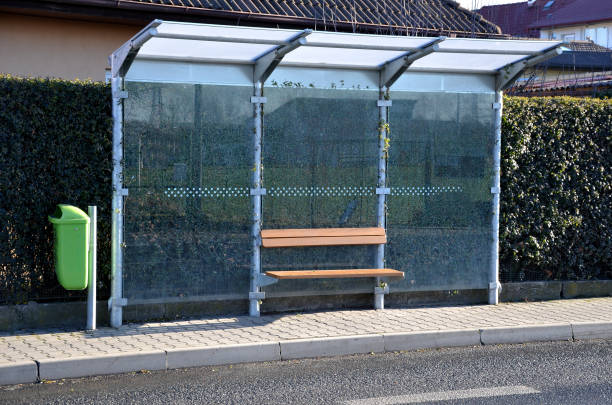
x=220 y=132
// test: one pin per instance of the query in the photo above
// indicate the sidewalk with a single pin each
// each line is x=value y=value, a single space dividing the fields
x=31 y=356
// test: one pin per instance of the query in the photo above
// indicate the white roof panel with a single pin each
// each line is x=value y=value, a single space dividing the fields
x=205 y=31
x=479 y=63
x=381 y=42
x=326 y=57
x=187 y=49
x=487 y=45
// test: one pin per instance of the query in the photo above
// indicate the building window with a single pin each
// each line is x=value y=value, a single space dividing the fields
x=602 y=36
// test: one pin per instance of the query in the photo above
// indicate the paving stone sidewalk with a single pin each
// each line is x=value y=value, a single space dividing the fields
x=39 y=346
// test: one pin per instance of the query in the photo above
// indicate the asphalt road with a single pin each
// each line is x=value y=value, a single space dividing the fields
x=545 y=373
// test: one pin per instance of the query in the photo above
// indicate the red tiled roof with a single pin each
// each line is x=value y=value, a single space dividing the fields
x=576 y=12
x=418 y=17
x=520 y=19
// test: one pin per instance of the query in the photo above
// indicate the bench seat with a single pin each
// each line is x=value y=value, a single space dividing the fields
x=349 y=273
x=277 y=238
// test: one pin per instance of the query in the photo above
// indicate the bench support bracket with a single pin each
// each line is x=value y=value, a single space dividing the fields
x=263 y=280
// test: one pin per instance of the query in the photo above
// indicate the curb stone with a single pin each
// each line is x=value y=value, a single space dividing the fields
x=429 y=340
x=331 y=346
x=523 y=334
x=216 y=355
x=52 y=369
x=19 y=373
x=592 y=330
x=30 y=371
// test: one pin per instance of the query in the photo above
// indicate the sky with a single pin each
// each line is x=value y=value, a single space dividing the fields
x=473 y=4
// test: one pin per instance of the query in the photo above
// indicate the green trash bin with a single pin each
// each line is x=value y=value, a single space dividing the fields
x=71 y=227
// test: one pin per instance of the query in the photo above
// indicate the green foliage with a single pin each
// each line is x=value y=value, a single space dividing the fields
x=556 y=189
x=55 y=147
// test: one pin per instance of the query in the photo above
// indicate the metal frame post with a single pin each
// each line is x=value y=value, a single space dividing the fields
x=116 y=300
x=92 y=211
x=494 y=285
x=255 y=292
x=381 y=190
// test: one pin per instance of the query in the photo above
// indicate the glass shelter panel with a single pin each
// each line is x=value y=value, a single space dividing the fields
x=187 y=161
x=320 y=171
x=440 y=174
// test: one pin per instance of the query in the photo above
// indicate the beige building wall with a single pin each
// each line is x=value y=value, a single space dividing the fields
x=600 y=33
x=59 y=48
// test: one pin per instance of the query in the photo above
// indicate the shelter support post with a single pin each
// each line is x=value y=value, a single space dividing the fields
x=116 y=301
x=494 y=285
x=92 y=211
x=255 y=294
x=382 y=190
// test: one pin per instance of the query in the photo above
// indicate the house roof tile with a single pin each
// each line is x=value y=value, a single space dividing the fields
x=411 y=16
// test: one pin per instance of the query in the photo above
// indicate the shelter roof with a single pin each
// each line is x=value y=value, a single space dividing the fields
x=266 y=48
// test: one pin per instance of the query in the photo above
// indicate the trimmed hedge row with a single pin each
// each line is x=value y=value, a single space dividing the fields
x=56 y=143
x=556 y=200
x=55 y=146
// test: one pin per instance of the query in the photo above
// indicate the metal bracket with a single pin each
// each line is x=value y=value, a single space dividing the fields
x=495 y=190
x=258 y=100
x=258 y=191
x=381 y=290
x=384 y=103
x=257 y=295
x=124 y=192
x=383 y=190
x=496 y=106
x=493 y=285
x=393 y=69
x=265 y=64
x=118 y=302
x=508 y=74
x=121 y=94
x=262 y=280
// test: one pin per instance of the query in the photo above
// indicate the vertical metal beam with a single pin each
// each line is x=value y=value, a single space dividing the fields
x=494 y=285
x=117 y=206
x=254 y=294
x=381 y=187
x=92 y=267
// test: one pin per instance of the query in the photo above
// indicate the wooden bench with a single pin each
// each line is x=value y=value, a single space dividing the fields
x=282 y=238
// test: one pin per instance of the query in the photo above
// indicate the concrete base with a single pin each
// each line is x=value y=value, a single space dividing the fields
x=531 y=291
x=73 y=314
x=587 y=289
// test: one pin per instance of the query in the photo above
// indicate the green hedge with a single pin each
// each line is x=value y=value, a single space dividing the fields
x=556 y=200
x=55 y=146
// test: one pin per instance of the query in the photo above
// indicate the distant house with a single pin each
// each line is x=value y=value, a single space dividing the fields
x=566 y=20
x=586 y=25
x=585 y=69
x=73 y=38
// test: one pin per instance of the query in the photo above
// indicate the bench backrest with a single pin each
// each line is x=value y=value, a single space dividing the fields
x=271 y=238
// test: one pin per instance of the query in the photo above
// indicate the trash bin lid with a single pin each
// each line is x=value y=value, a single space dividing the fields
x=68 y=214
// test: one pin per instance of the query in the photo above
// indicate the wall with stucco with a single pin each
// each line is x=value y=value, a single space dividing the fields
x=60 y=48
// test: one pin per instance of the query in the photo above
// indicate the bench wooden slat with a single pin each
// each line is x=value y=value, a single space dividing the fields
x=348 y=273
x=323 y=241
x=314 y=232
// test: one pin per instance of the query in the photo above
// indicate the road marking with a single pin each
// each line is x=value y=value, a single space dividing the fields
x=446 y=395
